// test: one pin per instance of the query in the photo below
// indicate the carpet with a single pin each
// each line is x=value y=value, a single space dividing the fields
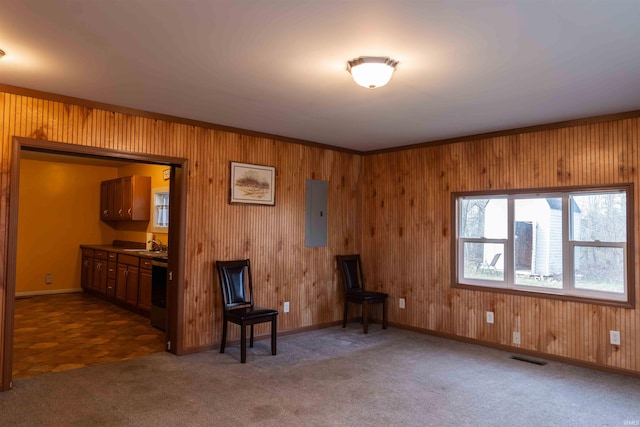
x=328 y=377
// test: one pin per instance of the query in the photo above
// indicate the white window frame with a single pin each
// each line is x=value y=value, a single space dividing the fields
x=568 y=290
x=159 y=193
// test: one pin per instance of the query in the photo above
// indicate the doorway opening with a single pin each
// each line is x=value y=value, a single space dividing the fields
x=95 y=159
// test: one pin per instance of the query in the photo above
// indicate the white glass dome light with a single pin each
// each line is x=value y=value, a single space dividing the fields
x=371 y=71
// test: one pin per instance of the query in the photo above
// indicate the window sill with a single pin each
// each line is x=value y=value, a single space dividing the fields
x=544 y=295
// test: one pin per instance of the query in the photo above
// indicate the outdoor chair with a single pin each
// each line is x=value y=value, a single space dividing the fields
x=237 y=304
x=354 y=291
x=491 y=266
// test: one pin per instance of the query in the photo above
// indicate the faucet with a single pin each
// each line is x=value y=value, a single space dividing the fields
x=156 y=244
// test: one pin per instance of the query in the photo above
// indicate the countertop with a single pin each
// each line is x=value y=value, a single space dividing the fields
x=143 y=253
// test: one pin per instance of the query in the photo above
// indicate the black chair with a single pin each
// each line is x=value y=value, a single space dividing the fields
x=237 y=304
x=354 y=292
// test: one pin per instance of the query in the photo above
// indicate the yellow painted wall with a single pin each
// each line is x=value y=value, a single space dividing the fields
x=58 y=210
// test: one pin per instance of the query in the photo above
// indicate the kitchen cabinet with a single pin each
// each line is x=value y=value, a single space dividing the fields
x=100 y=264
x=117 y=276
x=107 y=189
x=127 y=277
x=144 y=285
x=86 y=274
x=126 y=199
x=111 y=275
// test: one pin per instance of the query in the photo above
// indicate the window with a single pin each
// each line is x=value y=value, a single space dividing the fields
x=160 y=209
x=575 y=243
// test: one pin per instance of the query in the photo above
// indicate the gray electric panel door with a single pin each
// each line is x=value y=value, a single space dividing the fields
x=316 y=214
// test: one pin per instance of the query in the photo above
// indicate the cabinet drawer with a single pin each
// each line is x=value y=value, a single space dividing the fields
x=87 y=252
x=145 y=263
x=101 y=254
x=111 y=287
x=128 y=259
x=111 y=272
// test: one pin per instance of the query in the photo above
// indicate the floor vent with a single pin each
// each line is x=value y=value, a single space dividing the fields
x=529 y=360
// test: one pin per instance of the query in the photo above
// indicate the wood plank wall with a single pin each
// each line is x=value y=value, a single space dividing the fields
x=406 y=237
x=395 y=206
x=272 y=237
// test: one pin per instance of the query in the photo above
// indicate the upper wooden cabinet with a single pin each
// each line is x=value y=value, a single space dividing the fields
x=126 y=198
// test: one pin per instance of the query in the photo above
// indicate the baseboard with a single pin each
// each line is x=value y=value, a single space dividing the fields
x=51 y=292
x=521 y=351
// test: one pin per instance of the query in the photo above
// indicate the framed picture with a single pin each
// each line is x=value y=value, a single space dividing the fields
x=252 y=184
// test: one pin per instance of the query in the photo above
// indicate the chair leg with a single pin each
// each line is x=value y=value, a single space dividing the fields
x=384 y=314
x=251 y=337
x=224 y=336
x=274 y=331
x=243 y=343
x=344 y=318
x=365 y=317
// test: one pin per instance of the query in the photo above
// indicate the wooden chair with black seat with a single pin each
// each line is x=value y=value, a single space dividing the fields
x=354 y=292
x=237 y=304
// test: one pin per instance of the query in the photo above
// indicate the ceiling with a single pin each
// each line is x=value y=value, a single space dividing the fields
x=279 y=66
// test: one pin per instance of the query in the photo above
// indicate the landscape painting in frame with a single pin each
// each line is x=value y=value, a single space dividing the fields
x=252 y=184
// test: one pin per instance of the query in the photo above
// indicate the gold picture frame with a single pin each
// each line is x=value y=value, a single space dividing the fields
x=252 y=184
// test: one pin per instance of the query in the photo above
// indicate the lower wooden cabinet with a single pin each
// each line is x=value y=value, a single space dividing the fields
x=100 y=269
x=125 y=279
x=112 y=268
x=144 y=285
x=86 y=274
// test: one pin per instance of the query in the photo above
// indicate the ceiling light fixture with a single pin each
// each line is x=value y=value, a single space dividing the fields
x=371 y=71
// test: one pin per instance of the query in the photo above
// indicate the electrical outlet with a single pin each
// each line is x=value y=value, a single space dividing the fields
x=286 y=306
x=614 y=337
x=516 y=338
x=48 y=278
x=489 y=316
x=402 y=303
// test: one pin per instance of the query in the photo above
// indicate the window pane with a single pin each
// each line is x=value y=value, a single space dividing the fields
x=483 y=261
x=599 y=217
x=538 y=242
x=599 y=269
x=483 y=218
x=161 y=208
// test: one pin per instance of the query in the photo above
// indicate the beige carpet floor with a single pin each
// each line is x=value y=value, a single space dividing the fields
x=329 y=377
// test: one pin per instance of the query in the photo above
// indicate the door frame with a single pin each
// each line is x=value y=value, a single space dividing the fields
x=178 y=187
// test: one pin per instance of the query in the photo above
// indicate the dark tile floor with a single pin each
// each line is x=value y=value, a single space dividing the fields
x=67 y=331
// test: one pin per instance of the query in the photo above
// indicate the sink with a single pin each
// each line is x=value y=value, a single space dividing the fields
x=157 y=254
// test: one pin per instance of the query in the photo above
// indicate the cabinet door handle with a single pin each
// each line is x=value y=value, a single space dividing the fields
x=105 y=212
x=129 y=211
x=120 y=212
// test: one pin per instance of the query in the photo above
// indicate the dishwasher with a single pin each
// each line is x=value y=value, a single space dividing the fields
x=159 y=294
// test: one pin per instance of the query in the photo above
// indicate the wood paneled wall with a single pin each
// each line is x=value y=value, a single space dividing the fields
x=393 y=207
x=272 y=237
x=407 y=221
